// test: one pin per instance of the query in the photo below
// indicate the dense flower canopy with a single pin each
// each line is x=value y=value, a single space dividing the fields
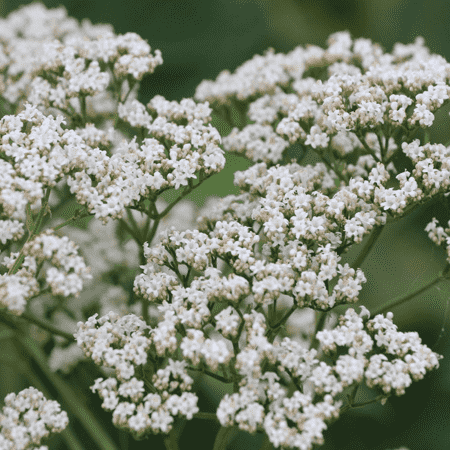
x=208 y=291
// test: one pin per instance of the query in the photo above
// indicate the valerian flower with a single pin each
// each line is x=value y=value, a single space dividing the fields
x=209 y=292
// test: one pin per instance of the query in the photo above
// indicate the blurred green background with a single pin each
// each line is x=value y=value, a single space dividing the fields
x=198 y=39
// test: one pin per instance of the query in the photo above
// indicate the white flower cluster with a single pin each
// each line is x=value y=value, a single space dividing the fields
x=216 y=287
x=230 y=241
x=303 y=233
x=400 y=358
x=294 y=422
x=121 y=343
x=43 y=156
x=22 y=35
x=363 y=89
x=260 y=405
x=62 y=75
x=175 y=156
x=257 y=142
x=69 y=271
x=439 y=235
x=99 y=339
x=104 y=253
x=189 y=307
x=65 y=277
x=67 y=61
x=81 y=67
x=186 y=109
x=36 y=153
x=27 y=418
x=16 y=289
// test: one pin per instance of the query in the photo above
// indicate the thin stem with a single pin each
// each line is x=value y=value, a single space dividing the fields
x=366 y=146
x=293 y=379
x=35 y=230
x=379 y=135
x=131 y=85
x=328 y=164
x=212 y=375
x=272 y=311
x=147 y=222
x=134 y=233
x=48 y=327
x=140 y=236
x=206 y=416
x=397 y=302
x=272 y=332
x=233 y=370
x=351 y=397
x=75 y=217
x=148 y=236
x=369 y=245
x=320 y=322
x=83 y=108
x=361 y=405
x=170 y=441
x=134 y=224
x=181 y=197
x=396 y=152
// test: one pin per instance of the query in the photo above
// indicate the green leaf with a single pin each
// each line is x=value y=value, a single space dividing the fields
x=267 y=445
x=222 y=438
x=6 y=334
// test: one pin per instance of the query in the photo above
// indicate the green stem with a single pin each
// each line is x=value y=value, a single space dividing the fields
x=83 y=108
x=399 y=301
x=134 y=224
x=146 y=228
x=361 y=405
x=170 y=441
x=148 y=236
x=10 y=322
x=33 y=232
x=131 y=86
x=320 y=322
x=351 y=397
x=206 y=416
x=134 y=234
x=366 y=146
x=141 y=236
x=211 y=374
x=396 y=152
x=48 y=327
x=186 y=192
x=328 y=164
x=75 y=217
x=369 y=245
x=272 y=332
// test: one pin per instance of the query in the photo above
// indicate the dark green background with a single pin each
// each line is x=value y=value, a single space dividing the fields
x=198 y=39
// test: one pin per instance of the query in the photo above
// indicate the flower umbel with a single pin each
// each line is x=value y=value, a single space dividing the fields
x=240 y=291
